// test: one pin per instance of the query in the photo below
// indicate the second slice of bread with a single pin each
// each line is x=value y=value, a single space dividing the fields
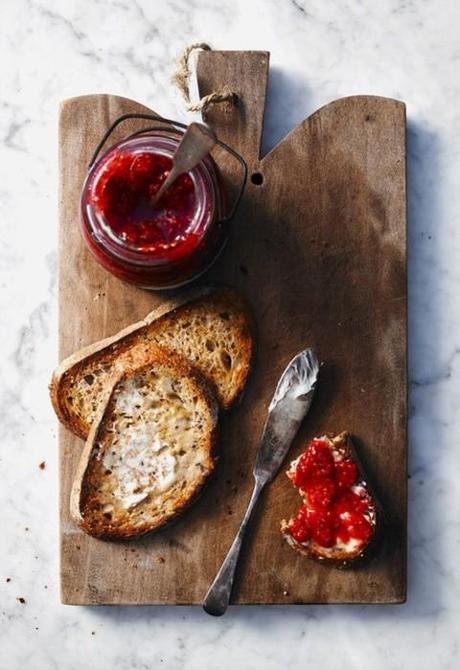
x=210 y=327
x=150 y=449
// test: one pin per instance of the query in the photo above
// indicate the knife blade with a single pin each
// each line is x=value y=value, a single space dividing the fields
x=291 y=401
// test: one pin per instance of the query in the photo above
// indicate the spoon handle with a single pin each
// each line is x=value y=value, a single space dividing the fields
x=218 y=596
x=172 y=176
x=197 y=142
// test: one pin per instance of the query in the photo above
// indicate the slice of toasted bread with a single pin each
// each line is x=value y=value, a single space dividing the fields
x=333 y=506
x=210 y=327
x=150 y=449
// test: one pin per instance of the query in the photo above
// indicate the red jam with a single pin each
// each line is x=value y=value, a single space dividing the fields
x=332 y=513
x=154 y=246
x=123 y=196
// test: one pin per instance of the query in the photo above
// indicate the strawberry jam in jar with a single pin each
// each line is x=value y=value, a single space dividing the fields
x=153 y=246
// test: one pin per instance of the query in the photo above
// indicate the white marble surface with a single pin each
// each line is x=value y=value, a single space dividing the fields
x=51 y=50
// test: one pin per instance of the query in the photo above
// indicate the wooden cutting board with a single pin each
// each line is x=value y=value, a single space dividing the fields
x=319 y=249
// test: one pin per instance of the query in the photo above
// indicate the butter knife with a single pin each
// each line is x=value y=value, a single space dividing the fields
x=290 y=404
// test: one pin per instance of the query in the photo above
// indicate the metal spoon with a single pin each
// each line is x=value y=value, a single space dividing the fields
x=289 y=406
x=197 y=142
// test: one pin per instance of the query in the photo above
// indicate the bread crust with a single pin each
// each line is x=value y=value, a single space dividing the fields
x=127 y=337
x=162 y=358
x=341 y=559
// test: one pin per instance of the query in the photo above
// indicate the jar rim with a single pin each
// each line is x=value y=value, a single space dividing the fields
x=203 y=177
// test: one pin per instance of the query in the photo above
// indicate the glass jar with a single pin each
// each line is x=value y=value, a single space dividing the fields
x=157 y=247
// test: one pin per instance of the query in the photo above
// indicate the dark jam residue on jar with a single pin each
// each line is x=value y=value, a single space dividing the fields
x=335 y=510
x=122 y=197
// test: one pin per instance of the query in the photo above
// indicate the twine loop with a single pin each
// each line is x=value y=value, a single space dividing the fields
x=181 y=79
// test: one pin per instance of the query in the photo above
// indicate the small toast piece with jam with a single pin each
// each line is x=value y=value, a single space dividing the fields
x=340 y=516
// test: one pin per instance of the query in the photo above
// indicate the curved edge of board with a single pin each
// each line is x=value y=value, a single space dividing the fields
x=335 y=106
x=98 y=97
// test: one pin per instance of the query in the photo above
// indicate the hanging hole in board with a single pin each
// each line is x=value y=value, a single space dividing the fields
x=257 y=178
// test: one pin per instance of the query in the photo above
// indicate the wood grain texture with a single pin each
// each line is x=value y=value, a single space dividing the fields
x=319 y=250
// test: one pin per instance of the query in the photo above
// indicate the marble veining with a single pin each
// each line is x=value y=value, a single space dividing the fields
x=51 y=50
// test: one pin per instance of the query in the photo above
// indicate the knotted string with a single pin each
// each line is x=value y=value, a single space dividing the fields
x=181 y=79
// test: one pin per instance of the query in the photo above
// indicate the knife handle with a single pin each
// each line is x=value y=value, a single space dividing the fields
x=217 y=598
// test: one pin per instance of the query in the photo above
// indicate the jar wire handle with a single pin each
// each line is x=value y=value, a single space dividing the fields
x=177 y=127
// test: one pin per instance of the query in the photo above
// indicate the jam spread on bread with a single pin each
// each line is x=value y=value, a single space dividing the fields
x=336 y=508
